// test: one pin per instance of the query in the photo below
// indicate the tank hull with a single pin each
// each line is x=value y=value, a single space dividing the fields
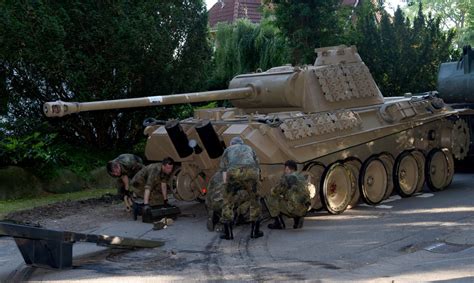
x=319 y=140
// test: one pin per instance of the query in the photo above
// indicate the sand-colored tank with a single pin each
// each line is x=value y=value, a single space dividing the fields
x=330 y=117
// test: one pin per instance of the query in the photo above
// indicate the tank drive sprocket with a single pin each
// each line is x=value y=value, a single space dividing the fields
x=461 y=139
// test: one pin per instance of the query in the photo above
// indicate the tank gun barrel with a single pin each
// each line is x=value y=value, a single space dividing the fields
x=60 y=108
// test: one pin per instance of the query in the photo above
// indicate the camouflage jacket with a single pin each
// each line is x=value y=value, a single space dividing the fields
x=238 y=155
x=292 y=188
x=130 y=164
x=151 y=177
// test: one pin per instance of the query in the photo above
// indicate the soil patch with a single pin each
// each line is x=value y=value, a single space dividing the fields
x=76 y=216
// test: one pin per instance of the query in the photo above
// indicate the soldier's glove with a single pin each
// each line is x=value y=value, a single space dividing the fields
x=165 y=203
x=128 y=203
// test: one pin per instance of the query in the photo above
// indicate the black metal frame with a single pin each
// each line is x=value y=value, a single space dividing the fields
x=49 y=248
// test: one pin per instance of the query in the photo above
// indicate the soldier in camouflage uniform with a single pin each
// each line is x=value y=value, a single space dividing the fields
x=240 y=171
x=290 y=197
x=151 y=183
x=215 y=202
x=124 y=167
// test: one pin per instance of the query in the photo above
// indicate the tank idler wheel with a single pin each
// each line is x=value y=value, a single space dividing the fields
x=439 y=169
x=313 y=177
x=172 y=183
x=420 y=160
x=373 y=180
x=183 y=186
x=406 y=174
x=389 y=162
x=336 y=188
x=354 y=165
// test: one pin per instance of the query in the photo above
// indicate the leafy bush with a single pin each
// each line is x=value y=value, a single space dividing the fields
x=44 y=154
x=34 y=149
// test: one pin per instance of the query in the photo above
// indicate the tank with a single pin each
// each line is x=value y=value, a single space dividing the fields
x=456 y=87
x=456 y=79
x=330 y=117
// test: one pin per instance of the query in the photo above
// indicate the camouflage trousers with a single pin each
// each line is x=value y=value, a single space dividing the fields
x=240 y=195
x=277 y=205
x=242 y=210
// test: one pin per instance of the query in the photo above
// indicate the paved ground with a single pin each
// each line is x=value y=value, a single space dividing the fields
x=429 y=237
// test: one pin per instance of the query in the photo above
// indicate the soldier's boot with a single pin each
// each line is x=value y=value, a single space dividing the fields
x=212 y=220
x=298 y=222
x=255 y=231
x=137 y=209
x=228 y=234
x=210 y=224
x=278 y=224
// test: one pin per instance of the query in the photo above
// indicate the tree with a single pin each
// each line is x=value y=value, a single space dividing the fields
x=87 y=50
x=452 y=13
x=309 y=24
x=244 y=47
x=403 y=57
x=469 y=34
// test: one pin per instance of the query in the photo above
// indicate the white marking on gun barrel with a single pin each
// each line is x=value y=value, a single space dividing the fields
x=156 y=99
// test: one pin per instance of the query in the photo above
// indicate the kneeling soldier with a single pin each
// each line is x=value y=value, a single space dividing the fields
x=150 y=183
x=124 y=168
x=215 y=202
x=290 y=197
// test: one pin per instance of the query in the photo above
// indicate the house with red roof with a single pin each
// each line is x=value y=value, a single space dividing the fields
x=229 y=11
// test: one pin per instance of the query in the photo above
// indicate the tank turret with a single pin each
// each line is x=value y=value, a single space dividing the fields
x=339 y=75
x=329 y=117
x=456 y=79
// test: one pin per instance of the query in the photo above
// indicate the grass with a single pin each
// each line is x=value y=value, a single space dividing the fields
x=23 y=204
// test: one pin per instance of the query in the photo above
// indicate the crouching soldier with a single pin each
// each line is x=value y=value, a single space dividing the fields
x=240 y=172
x=215 y=202
x=290 y=197
x=150 y=183
x=124 y=168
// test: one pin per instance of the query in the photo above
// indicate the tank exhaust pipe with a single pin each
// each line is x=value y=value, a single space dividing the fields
x=210 y=140
x=179 y=139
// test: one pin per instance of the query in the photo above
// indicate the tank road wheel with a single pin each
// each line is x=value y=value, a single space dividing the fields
x=439 y=171
x=420 y=160
x=336 y=188
x=354 y=165
x=389 y=162
x=373 y=180
x=406 y=174
x=313 y=177
x=450 y=157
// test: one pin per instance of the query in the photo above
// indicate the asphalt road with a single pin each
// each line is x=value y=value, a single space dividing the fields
x=429 y=237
